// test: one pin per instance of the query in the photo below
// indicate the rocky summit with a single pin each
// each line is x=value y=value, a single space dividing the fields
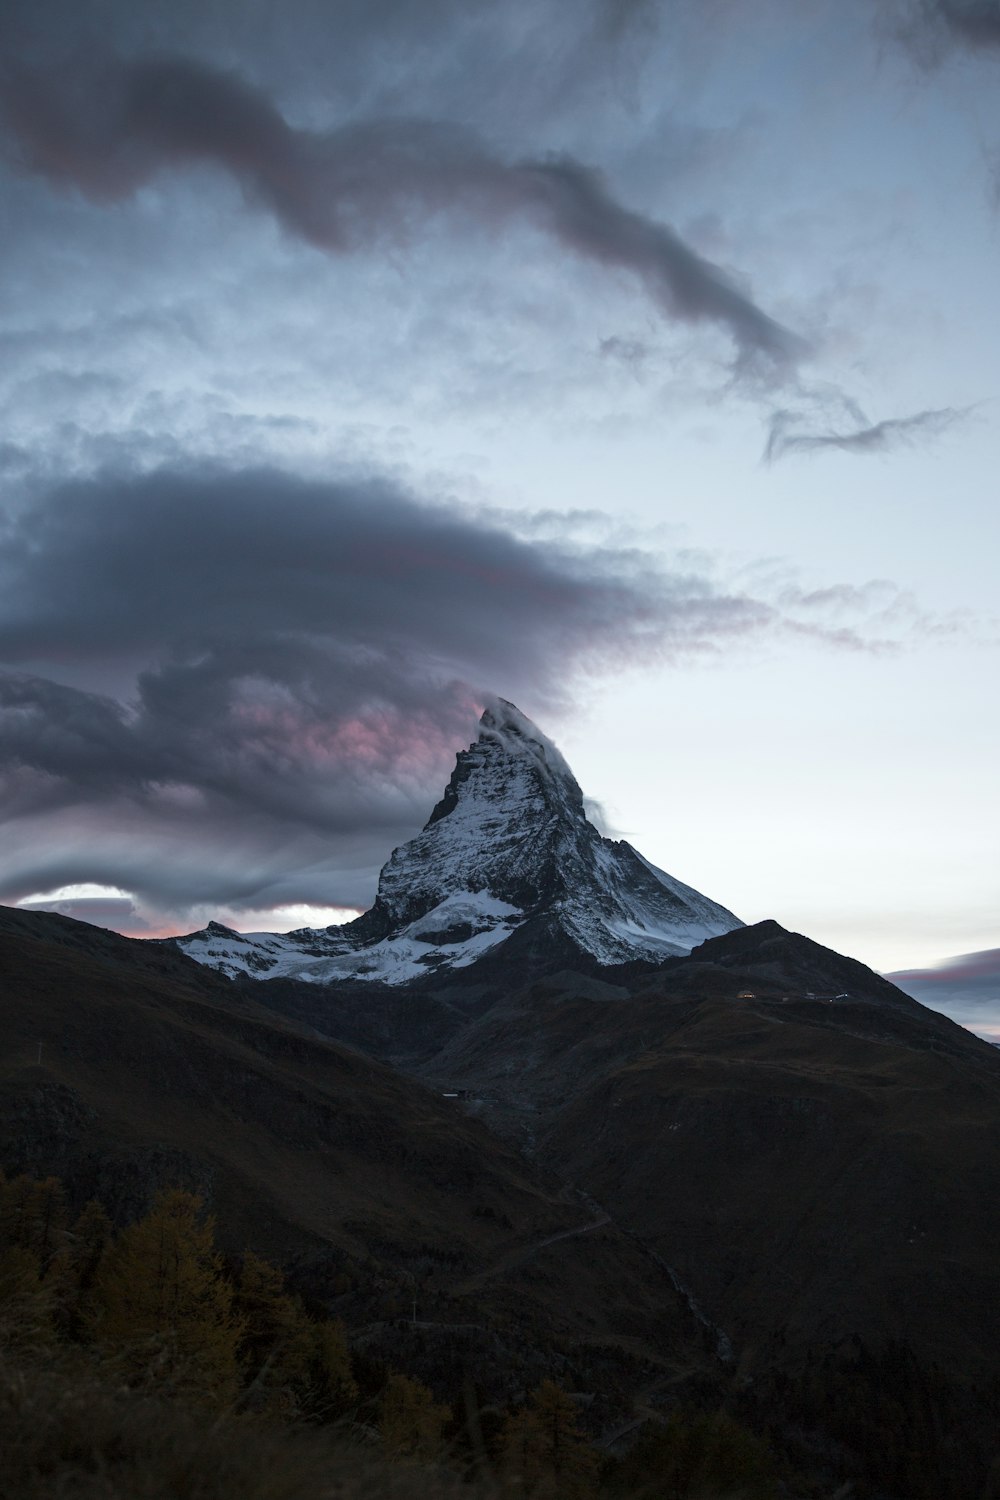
x=508 y=852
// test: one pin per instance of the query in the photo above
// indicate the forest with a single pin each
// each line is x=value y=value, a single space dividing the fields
x=142 y=1361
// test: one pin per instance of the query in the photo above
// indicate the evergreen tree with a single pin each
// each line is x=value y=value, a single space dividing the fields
x=410 y=1421
x=332 y=1389
x=25 y=1303
x=695 y=1454
x=35 y=1288
x=544 y=1451
x=90 y=1237
x=33 y=1216
x=160 y=1303
x=276 y=1343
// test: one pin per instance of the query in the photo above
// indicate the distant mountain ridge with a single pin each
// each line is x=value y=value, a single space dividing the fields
x=508 y=849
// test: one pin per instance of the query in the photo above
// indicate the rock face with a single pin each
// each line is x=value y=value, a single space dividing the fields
x=508 y=847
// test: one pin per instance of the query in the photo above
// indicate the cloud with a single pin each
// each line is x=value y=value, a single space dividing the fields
x=932 y=31
x=109 y=131
x=966 y=971
x=879 y=437
x=974 y=24
x=966 y=988
x=221 y=562
x=246 y=687
x=115 y=912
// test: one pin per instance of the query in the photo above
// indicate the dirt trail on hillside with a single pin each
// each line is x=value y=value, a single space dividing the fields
x=521 y=1254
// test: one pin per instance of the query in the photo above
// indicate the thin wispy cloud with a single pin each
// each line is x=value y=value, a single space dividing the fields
x=359 y=185
x=787 y=435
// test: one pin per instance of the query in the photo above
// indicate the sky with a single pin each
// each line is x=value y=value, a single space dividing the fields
x=636 y=360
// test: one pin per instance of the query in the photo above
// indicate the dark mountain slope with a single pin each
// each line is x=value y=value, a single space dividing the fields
x=155 y=1070
x=810 y=1171
x=824 y=1166
x=803 y=1178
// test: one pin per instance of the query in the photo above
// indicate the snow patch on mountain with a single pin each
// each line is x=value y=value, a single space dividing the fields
x=508 y=842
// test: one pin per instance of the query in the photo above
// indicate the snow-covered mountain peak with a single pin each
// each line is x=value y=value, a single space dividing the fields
x=508 y=846
x=496 y=829
x=505 y=725
x=510 y=762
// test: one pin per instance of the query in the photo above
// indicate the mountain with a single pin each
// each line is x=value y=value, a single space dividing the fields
x=813 y=1151
x=754 y=1173
x=508 y=850
x=125 y=1067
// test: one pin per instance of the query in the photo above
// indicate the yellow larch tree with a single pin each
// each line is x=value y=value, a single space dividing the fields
x=160 y=1304
x=544 y=1452
x=411 y=1422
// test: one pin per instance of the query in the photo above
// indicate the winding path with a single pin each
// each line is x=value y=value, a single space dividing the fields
x=523 y=1253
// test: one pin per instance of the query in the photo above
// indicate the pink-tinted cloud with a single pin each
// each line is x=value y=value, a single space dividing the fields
x=965 y=968
x=302 y=660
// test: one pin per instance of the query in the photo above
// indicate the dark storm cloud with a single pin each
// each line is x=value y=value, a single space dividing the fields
x=970 y=23
x=975 y=22
x=109 y=131
x=301 y=647
x=101 y=568
x=441 y=57
x=879 y=437
x=216 y=686
x=933 y=30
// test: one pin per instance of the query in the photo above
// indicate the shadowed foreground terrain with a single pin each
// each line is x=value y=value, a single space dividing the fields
x=72 y=1433
x=366 y=1185
x=756 y=1183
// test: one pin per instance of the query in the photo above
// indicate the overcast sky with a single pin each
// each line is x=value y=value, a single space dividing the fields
x=635 y=360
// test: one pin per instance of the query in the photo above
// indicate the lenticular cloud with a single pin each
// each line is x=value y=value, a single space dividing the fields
x=243 y=687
